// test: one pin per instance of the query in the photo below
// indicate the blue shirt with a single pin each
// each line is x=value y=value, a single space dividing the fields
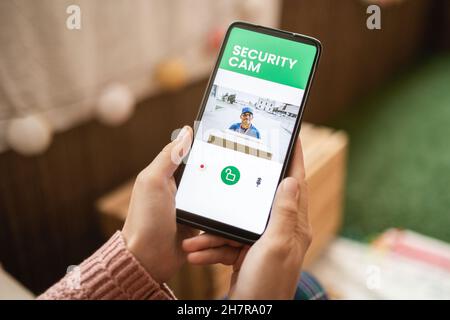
x=252 y=131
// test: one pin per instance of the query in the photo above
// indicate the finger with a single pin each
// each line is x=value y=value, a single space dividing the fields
x=297 y=170
x=297 y=166
x=168 y=160
x=206 y=241
x=304 y=226
x=226 y=255
x=284 y=216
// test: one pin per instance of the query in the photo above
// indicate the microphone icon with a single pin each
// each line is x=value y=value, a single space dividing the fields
x=258 y=182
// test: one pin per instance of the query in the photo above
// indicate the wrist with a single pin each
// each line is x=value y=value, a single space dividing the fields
x=141 y=254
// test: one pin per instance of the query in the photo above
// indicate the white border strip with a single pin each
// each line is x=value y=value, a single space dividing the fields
x=259 y=87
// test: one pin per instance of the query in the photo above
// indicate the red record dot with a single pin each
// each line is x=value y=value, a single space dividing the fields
x=202 y=166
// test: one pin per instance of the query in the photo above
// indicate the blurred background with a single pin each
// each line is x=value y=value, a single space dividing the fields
x=90 y=91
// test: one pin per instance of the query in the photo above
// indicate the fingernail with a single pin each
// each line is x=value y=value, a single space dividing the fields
x=181 y=134
x=290 y=186
x=182 y=147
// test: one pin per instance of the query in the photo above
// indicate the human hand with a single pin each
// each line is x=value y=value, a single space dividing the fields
x=270 y=269
x=150 y=231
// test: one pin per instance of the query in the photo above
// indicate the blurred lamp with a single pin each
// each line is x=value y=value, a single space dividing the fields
x=115 y=105
x=29 y=135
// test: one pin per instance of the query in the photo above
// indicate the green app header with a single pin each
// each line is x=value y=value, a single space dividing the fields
x=267 y=57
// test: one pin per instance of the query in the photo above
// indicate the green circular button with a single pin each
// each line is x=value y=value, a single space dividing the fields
x=230 y=175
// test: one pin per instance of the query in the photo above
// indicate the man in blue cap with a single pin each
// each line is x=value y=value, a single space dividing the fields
x=246 y=126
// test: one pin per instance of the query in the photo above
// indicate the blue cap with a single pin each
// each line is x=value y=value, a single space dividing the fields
x=247 y=109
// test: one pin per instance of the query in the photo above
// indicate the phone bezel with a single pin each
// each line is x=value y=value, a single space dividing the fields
x=217 y=227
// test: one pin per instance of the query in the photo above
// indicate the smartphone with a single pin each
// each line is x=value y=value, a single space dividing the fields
x=245 y=130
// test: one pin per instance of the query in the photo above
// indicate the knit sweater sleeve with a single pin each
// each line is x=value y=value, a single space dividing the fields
x=110 y=273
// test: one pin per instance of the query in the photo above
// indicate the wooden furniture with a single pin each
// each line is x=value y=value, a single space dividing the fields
x=11 y=289
x=325 y=161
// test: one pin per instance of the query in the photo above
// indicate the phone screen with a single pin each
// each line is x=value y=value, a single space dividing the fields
x=244 y=132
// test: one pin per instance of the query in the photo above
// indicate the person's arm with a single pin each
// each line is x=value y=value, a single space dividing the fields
x=136 y=262
x=258 y=136
x=110 y=273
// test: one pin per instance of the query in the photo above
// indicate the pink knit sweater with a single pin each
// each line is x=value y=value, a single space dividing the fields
x=110 y=273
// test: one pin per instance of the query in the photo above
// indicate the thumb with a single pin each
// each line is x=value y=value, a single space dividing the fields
x=168 y=160
x=284 y=216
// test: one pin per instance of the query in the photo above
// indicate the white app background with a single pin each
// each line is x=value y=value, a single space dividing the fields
x=246 y=204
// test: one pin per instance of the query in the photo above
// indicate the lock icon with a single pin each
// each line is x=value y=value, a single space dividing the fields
x=230 y=175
